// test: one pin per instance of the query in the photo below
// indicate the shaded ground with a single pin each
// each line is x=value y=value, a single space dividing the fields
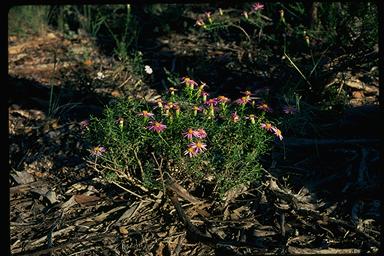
x=317 y=195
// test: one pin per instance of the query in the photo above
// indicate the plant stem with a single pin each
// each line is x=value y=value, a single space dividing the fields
x=298 y=70
x=246 y=34
x=161 y=137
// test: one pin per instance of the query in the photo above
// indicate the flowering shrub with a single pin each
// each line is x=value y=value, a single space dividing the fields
x=187 y=134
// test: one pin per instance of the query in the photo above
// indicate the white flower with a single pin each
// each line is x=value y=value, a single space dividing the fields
x=148 y=69
x=100 y=75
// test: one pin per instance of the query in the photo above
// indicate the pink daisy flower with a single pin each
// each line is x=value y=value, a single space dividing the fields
x=235 y=117
x=98 y=151
x=202 y=86
x=211 y=102
x=169 y=105
x=201 y=133
x=172 y=90
x=222 y=99
x=289 y=110
x=277 y=133
x=84 y=124
x=208 y=14
x=190 y=133
x=196 y=109
x=245 y=13
x=177 y=109
x=243 y=100
x=198 y=146
x=264 y=107
x=204 y=95
x=145 y=113
x=247 y=93
x=257 y=6
x=188 y=82
x=267 y=126
x=175 y=106
x=156 y=126
x=160 y=103
x=200 y=23
x=190 y=151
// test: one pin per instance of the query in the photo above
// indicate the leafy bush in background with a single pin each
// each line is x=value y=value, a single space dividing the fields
x=24 y=20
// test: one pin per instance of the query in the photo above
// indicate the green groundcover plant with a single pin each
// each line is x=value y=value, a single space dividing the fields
x=185 y=133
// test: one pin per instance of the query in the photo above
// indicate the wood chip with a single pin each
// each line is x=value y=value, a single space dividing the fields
x=130 y=212
x=234 y=193
x=68 y=204
x=23 y=177
x=159 y=250
x=123 y=230
x=86 y=200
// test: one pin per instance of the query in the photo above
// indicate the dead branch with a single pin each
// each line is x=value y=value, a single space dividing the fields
x=173 y=186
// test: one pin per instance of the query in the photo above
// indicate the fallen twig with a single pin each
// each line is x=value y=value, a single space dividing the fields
x=329 y=251
x=172 y=185
x=126 y=190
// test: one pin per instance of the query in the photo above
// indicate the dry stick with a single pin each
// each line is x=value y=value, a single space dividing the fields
x=53 y=226
x=127 y=176
x=298 y=70
x=172 y=185
x=50 y=250
x=159 y=168
x=327 y=251
x=56 y=233
x=44 y=251
x=127 y=190
x=140 y=165
x=246 y=34
x=24 y=187
x=85 y=250
x=315 y=66
x=126 y=81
